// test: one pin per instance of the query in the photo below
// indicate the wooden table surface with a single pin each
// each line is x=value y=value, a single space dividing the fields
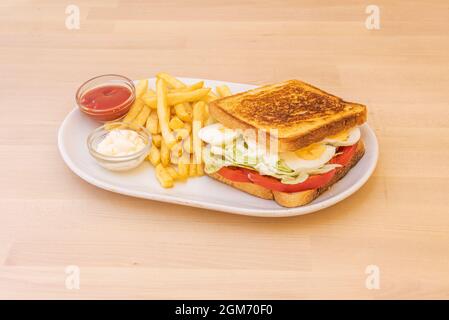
x=132 y=248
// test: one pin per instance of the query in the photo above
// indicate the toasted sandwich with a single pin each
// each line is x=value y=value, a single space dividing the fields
x=287 y=142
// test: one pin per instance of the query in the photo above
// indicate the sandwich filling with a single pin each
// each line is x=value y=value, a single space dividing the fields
x=239 y=156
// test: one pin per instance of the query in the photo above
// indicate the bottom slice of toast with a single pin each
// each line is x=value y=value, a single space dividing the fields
x=295 y=199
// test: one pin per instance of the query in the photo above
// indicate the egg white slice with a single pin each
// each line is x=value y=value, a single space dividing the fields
x=217 y=135
x=353 y=138
x=255 y=149
x=217 y=150
x=294 y=162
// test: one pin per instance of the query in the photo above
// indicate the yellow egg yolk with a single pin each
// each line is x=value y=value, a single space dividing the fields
x=314 y=151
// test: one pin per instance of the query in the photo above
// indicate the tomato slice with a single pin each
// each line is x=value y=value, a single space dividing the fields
x=312 y=182
x=235 y=174
x=347 y=153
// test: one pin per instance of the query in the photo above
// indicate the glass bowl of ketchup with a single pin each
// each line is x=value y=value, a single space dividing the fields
x=106 y=98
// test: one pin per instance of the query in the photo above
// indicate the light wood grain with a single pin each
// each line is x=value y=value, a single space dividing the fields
x=131 y=248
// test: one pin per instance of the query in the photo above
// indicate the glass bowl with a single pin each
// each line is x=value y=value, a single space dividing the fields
x=121 y=162
x=112 y=113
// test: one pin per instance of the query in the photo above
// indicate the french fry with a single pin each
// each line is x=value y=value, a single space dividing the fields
x=188 y=96
x=197 y=85
x=182 y=113
x=147 y=95
x=150 y=100
x=173 y=114
x=154 y=156
x=189 y=109
x=210 y=97
x=174 y=160
x=223 y=91
x=163 y=176
x=152 y=124
x=176 y=151
x=209 y=121
x=156 y=139
x=171 y=81
x=206 y=113
x=172 y=172
x=165 y=153
x=188 y=126
x=192 y=170
x=133 y=111
x=177 y=97
x=141 y=118
x=183 y=168
x=111 y=125
x=175 y=123
x=181 y=134
x=199 y=170
x=141 y=87
x=187 y=145
x=198 y=118
x=163 y=113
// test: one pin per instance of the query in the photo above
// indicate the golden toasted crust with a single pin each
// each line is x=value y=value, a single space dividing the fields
x=296 y=199
x=295 y=112
x=250 y=188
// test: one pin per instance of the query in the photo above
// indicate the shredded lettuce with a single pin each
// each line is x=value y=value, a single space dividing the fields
x=239 y=154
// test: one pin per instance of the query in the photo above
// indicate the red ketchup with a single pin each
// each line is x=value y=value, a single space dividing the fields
x=107 y=97
x=106 y=103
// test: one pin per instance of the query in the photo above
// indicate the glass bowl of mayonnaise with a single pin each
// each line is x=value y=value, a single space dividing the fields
x=119 y=146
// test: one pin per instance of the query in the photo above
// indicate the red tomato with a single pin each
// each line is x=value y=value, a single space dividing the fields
x=235 y=174
x=312 y=182
x=346 y=155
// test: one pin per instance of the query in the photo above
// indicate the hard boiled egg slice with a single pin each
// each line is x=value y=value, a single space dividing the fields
x=311 y=157
x=344 y=138
x=258 y=147
x=216 y=134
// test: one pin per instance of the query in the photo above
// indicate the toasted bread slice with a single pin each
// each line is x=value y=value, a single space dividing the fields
x=296 y=199
x=250 y=188
x=299 y=113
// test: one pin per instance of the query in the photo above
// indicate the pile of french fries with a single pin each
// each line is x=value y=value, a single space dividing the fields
x=173 y=113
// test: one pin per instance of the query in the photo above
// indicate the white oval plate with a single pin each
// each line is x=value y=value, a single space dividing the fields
x=202 y=192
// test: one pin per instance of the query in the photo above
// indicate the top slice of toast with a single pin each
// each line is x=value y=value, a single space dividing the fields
x=299 y=113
